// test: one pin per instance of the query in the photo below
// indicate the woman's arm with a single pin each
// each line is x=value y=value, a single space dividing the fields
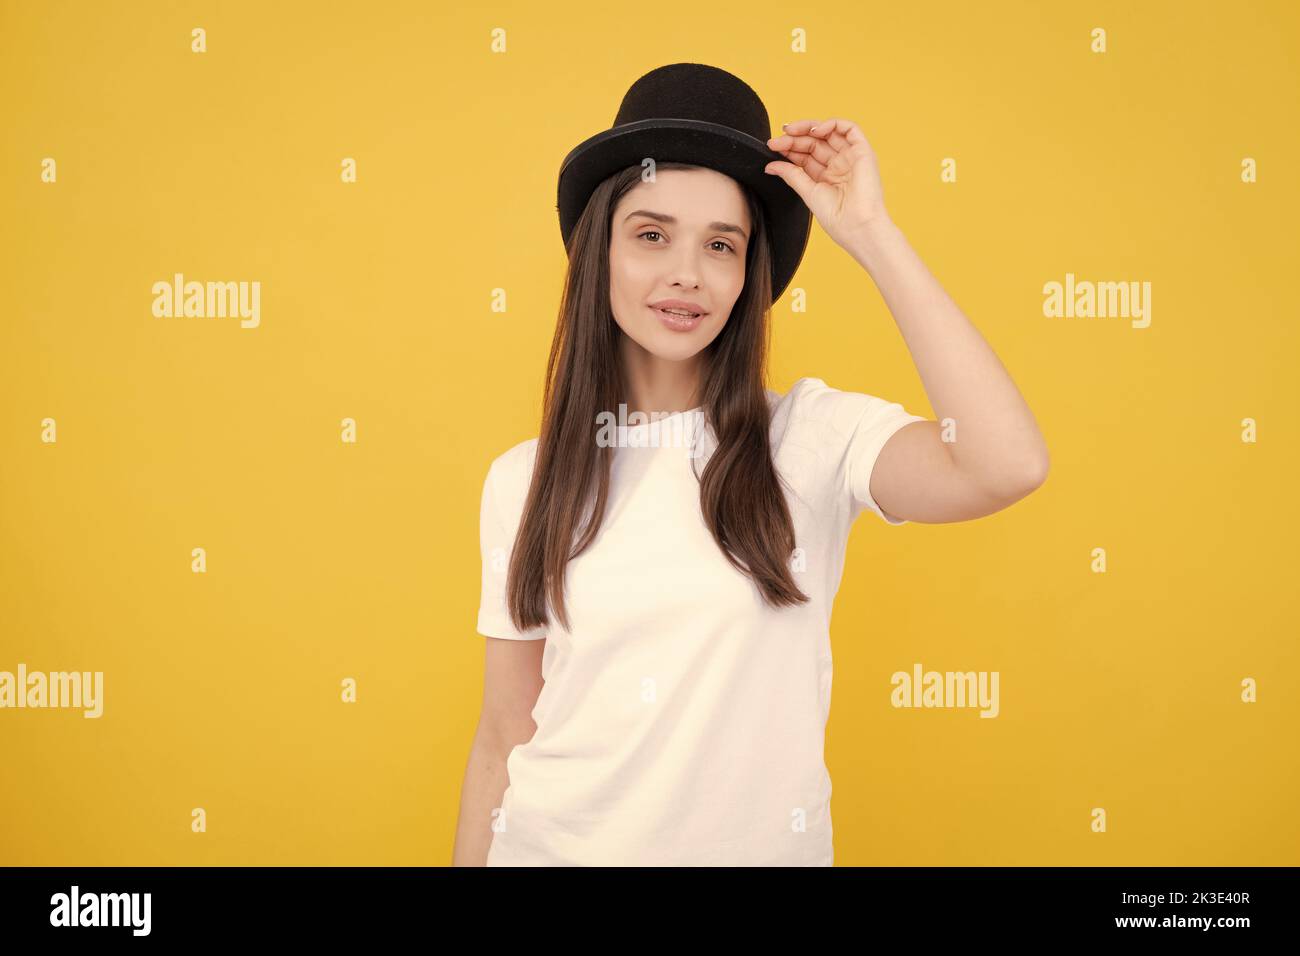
x=512 y=679
x=991 y=453
x=480 y=793
x=996 y=453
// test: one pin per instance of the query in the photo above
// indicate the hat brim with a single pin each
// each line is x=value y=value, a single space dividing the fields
x=729 y=151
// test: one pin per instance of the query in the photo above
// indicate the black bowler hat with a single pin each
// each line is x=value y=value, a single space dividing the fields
x=698 y=114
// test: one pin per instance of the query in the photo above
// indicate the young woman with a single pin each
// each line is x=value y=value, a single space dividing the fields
x=657 y=593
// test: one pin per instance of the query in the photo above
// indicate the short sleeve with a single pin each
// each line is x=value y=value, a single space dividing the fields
x=852 y=428
x=496 y=541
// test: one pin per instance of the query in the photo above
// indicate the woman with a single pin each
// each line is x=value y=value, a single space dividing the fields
x=657 y=599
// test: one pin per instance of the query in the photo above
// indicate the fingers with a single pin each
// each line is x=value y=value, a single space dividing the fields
x=799 y=128
x=797 y=146
x=796 y=178
x=837 y=133
x=802 y=146
x=840 y=133
x=809 y=163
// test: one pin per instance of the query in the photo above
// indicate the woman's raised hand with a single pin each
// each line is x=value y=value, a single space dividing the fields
x=832 y=168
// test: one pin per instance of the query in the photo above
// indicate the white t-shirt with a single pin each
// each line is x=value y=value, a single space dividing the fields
x=682 y=719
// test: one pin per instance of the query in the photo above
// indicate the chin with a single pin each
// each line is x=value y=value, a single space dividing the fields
x=675 y=345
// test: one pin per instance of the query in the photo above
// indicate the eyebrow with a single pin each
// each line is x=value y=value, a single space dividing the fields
x=672 y=221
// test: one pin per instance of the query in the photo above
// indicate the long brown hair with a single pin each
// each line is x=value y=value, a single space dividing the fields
x=740 y=497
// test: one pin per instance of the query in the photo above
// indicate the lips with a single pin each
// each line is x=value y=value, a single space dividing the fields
x=679 y=323
x=679 y=306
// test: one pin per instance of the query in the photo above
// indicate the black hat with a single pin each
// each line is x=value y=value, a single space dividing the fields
x=693 y=113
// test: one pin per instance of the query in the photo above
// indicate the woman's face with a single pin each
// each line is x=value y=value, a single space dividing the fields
x=683 y=237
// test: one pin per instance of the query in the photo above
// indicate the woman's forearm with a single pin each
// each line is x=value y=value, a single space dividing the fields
x=484 y=786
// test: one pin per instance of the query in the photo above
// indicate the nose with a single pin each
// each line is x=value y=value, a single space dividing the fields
x=686 y=269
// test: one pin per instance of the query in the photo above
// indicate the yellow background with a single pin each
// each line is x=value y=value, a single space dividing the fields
x=327 y=560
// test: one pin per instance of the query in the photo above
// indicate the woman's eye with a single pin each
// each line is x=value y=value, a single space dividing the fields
x=715 y=242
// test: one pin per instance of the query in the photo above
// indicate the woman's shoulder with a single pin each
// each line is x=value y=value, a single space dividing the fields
x=508 y=476
x=809 y=398
x=815 y=413
x=809 y=389
x=516 y=462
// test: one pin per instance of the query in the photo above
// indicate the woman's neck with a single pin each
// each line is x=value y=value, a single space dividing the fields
x=655 y=384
